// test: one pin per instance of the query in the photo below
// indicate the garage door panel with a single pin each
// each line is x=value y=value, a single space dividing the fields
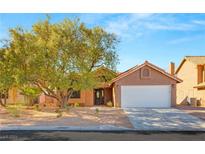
x=146 y=96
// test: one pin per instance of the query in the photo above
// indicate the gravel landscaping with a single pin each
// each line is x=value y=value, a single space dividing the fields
x=79 y=118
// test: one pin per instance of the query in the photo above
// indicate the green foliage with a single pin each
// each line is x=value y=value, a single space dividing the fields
x=31 y=91
x=76 y=104
x=56 y=58
x=36 y=107
x=14 y=110
x=59 y=113
x=97 y=111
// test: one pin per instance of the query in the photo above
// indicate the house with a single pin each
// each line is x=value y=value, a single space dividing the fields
x=192 y=71
x=144 y=85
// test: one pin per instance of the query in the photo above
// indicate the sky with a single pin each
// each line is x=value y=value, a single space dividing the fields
x=158 y=38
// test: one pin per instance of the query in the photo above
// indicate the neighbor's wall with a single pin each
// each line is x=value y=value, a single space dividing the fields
x=188 y=73
x=134 y=78
x=14 y=96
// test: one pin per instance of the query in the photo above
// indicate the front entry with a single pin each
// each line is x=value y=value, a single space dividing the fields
x=99 y=96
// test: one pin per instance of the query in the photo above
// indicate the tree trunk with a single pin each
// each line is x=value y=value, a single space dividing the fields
x=1 y=103
x=65 y=97
x=5 y=100
x=63 y=101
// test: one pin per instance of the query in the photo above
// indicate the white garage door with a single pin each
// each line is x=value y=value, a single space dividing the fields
x=158 y=96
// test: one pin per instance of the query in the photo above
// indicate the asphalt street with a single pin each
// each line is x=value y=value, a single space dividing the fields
x=37 y=135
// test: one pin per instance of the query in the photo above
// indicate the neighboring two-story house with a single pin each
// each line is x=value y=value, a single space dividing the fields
x=192 y=71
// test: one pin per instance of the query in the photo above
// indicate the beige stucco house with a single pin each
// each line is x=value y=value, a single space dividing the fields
x=192 y=71
x=144 y=85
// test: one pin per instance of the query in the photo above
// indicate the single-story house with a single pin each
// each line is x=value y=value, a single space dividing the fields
x=144 y=85
x=192 y=90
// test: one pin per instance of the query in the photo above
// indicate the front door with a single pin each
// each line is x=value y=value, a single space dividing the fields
x=99 y=96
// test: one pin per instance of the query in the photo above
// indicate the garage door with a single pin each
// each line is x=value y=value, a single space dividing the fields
x=158 y=96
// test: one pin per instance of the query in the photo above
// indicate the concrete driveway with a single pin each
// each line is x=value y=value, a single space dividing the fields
x=163 y=120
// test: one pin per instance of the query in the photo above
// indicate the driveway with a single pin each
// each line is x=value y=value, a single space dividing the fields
x=163 y=120
x=195 y=111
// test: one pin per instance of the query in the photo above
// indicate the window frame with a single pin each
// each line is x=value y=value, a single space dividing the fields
x=3 y=96
x=78 y=96
x=142 y=73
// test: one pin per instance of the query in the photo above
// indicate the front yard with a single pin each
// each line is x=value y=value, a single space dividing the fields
x=74 y=118
x=100 y=118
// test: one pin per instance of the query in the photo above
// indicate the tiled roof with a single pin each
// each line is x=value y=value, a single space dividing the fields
x=139 y=66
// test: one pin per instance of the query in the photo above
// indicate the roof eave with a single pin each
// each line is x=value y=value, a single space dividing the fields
x=150 y=65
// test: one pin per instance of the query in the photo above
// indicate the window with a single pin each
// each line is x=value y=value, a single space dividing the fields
x=2 y=95
x=145 y=72
x=75 y=94
x=200 y=73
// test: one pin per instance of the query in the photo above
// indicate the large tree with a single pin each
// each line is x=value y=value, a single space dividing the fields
x=58 y=58
x=7 y=80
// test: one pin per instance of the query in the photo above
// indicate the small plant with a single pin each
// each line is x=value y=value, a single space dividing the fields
x=109 y=104
x=66 y=107
x=14 y=110
x=97 y=111
x=36 y=107
x=76 y=104
x=59 y=113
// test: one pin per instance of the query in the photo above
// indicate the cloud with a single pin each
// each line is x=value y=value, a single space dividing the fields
x=186 y=39
x=136 y=25
x=173 y=27
x=127 y=26
x=199 y=22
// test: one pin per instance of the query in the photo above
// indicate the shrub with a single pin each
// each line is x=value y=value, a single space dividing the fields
x=66 y=107
x=97 y=111
x=36 y=107
x=109 y=104
x=14 y=110
x=76 y=104
x=59 y=114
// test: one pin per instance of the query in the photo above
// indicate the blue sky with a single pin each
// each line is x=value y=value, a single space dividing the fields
x=159 y=38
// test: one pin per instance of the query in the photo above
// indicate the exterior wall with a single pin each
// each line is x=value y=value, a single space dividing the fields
x=189 y=74
x=86 y=99
x=134 y=78
x=107 y=95
x=89 y=98
x=200 y=94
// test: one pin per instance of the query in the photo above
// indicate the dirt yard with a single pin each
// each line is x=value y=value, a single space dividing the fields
x=79 y=116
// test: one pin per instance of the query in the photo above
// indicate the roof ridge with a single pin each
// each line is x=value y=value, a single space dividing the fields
x=194 y=56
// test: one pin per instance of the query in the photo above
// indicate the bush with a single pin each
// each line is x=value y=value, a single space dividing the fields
x=36 y=107
x=66 y=107
x=59 y=113
x=14 y=110
x=97 y=111
x=76 y=104
x=109 y=104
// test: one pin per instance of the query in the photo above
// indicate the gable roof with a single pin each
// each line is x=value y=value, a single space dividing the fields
x=197 y=60
x=146 y=63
